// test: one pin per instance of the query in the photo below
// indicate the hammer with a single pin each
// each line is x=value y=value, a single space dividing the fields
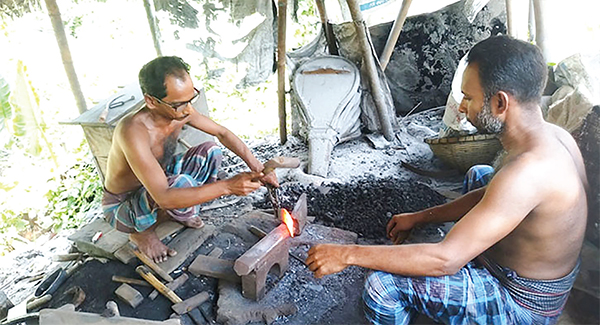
x=270 y=166
x=179 y=306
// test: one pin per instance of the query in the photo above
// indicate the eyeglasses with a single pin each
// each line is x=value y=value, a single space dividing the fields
x=179 y=105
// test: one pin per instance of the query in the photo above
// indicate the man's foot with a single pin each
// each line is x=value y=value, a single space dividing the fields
x=149 y=244
x=194 y=222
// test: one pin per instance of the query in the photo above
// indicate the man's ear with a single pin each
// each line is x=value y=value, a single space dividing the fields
x=150 y=101
x=501 y=103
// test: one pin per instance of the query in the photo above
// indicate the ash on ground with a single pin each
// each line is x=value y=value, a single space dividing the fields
x=364 y=188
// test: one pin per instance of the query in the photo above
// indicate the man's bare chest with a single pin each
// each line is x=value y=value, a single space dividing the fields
x=163 y=144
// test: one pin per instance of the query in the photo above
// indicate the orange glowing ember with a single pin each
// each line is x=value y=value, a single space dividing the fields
x=289 y=222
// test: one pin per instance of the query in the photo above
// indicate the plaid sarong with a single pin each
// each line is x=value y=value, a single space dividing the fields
x=136 y=211
x=476 y=177
x=471 y=296
x=474 y=295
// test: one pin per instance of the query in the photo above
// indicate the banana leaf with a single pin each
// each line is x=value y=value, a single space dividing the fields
x=27 y=121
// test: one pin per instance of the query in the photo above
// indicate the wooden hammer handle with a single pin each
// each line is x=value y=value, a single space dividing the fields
x=148 y=276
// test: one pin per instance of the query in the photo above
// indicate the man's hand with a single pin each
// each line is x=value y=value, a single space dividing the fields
x=327 y=259
x=400 y=226
x=244 y=183
x=270 y=178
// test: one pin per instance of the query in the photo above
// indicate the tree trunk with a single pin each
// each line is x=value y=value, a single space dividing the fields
x=65 y=53
x=153 y=28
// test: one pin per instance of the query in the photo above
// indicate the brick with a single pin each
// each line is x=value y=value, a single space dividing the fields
x=129 y=295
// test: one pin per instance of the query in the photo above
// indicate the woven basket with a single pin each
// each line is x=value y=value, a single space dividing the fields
x=463 y=152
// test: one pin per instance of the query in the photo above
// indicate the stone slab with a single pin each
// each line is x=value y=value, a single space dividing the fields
x=214 y=267
x=185 y=244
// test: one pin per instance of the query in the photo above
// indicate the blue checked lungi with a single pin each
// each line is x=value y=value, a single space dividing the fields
x=471 y=296
x=479 y=293
x=136 y=211
x=476 y=177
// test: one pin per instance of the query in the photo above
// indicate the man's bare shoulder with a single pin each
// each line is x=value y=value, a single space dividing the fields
x=131 y=124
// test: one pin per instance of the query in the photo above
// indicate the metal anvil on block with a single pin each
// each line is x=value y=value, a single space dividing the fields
x=273 y=249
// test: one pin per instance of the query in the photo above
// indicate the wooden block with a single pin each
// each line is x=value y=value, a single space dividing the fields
x=129 y=295
x=214 y=267
x=110 y=241
x=216 y=252
x=185 y=244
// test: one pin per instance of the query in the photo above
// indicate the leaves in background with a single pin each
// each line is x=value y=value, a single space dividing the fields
x=5 y=107
x=27 y=121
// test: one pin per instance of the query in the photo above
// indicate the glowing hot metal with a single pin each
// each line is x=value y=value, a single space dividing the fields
x=288 y=221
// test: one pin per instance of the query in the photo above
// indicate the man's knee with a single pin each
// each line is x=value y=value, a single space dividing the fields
x=476 y=177
x=384 y=300
x=209 y=148
x=182 y=181
x=380 y=289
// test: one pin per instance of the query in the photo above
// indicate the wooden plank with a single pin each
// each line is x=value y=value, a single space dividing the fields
x=185 y=244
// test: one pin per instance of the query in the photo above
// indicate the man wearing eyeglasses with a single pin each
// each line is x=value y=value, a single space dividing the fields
x=146 y=183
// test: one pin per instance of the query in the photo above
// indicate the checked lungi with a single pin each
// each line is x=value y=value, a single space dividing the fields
x=481 y=292
x=136 y=211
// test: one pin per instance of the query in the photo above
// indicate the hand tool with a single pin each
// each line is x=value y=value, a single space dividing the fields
x=150 y=263
x=171 y=285
x=190 y=303
x=122 y=279
x=270 y=166
x=148 y=276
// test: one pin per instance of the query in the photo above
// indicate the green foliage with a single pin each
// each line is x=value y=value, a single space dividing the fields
x=5 y=107
x=78 y=192
x=27 y=122
x=74 y=24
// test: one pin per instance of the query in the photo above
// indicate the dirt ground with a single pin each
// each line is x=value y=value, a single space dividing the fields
x=365 y=187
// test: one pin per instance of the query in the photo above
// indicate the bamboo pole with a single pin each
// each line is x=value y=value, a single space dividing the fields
x=394 y=34
x=281 y=27
x=371 y=68
x=329 y=36
x=152 y=22
x=65 y=53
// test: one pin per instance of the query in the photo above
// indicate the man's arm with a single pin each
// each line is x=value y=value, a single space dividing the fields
x=231 y=141
x=400 y=225
x=135 y=143
x=508 y=199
